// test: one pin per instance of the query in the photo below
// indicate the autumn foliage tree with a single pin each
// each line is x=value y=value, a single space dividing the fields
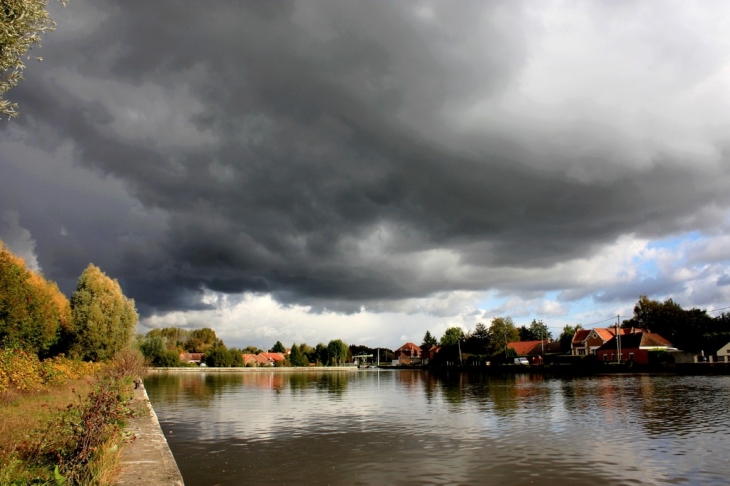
x=33 y=311
x=103 y=318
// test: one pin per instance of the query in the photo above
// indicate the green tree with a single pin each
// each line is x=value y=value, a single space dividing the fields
x=539 y=330
x=23 y=24
x=428 y=342
x=235 y=357
x=451 y=336
x=502 y=331
x=478 y=340
x=103 y=318
x=566 y=337
x=278 y=348
x=297 y=358
x=218 y=356
x=309 y=353
x=156 y=353
x=337 y=352
x=683 y=328
x=201 y=340
x=322 y=357
x=525 y=333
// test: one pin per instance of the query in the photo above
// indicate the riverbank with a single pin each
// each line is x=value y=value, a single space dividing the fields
x=282 y=369
x=145 y=457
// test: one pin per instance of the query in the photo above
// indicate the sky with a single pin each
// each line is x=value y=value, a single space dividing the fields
x=310 y=170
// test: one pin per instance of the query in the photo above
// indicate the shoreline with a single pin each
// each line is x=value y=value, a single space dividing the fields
x=146 y=458
x=283 y=369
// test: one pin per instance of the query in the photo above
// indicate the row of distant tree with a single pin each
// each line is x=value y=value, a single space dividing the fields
x=37 y=317
x=163 y=346
x=689 y=330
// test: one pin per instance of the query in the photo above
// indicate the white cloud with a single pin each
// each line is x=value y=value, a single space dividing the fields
x=18 y=239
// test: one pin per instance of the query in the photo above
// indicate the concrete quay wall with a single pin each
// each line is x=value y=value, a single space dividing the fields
x=146 y=457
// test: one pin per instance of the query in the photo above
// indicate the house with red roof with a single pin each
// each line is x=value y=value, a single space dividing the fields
x=526 y=348
x=430 y=354
x=535 y=349
x=587 y=341
x=192 y=358
x=633 y=346
x=408 y=354
x=262 y=359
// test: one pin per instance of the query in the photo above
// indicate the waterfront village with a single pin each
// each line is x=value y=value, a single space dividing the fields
x=659 y=335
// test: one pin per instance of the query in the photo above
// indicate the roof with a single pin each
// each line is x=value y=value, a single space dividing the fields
x=638 y=339
x=523 y=348
x=605 y=334
x=273 y=356
x=581 y=335
x=191 y=356
x=409 y=349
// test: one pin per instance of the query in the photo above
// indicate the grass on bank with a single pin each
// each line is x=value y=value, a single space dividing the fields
x=61 y=422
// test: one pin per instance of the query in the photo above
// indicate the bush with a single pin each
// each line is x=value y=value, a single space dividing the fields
x=23 y=371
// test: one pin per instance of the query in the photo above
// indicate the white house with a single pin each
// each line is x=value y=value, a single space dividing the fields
x=723 y=354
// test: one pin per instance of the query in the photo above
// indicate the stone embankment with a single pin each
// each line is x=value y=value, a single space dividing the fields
x=146 y=457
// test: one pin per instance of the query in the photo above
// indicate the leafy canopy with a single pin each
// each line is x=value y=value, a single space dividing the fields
x=103 y=318
x=22 y=24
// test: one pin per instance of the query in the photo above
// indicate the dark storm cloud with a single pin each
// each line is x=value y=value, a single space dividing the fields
x=266 y=142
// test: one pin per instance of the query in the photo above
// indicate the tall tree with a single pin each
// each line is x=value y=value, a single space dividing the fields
x=683 y=328
x=525 y=333
x=278 y=348
x=428 y=341
x=566 y=337
x=296 y=358
x=539 y=330
x=23 y=24
x=502 y=331
x=218 y=356
x=103 y=318
x=321 y=354
x=478 y=340
x=33 y=311
x=337 y=352
x=451 y=336
x=156 y=353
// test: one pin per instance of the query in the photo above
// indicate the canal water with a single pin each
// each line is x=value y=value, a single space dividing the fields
x=413 y=427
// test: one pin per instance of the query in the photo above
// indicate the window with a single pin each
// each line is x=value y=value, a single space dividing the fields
x=613 y=356
x=631 y=356
x=605 y=357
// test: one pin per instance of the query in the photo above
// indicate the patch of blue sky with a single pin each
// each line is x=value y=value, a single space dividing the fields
x=674 y=243
x=492 y=301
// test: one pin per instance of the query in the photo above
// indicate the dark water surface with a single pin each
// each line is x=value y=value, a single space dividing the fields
x=413 y=427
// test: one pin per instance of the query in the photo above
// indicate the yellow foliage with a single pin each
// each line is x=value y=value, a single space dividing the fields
x=23 y=371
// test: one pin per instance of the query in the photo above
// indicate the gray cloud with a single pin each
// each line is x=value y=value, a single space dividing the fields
x=336 y=153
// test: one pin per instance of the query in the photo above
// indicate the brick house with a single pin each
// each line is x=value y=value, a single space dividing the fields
x=587 y=341
x=409 y=353
x=635 y=346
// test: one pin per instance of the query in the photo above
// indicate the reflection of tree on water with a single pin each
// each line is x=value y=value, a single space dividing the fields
x=332 y=382
x=335 y=383
x=502 y=395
